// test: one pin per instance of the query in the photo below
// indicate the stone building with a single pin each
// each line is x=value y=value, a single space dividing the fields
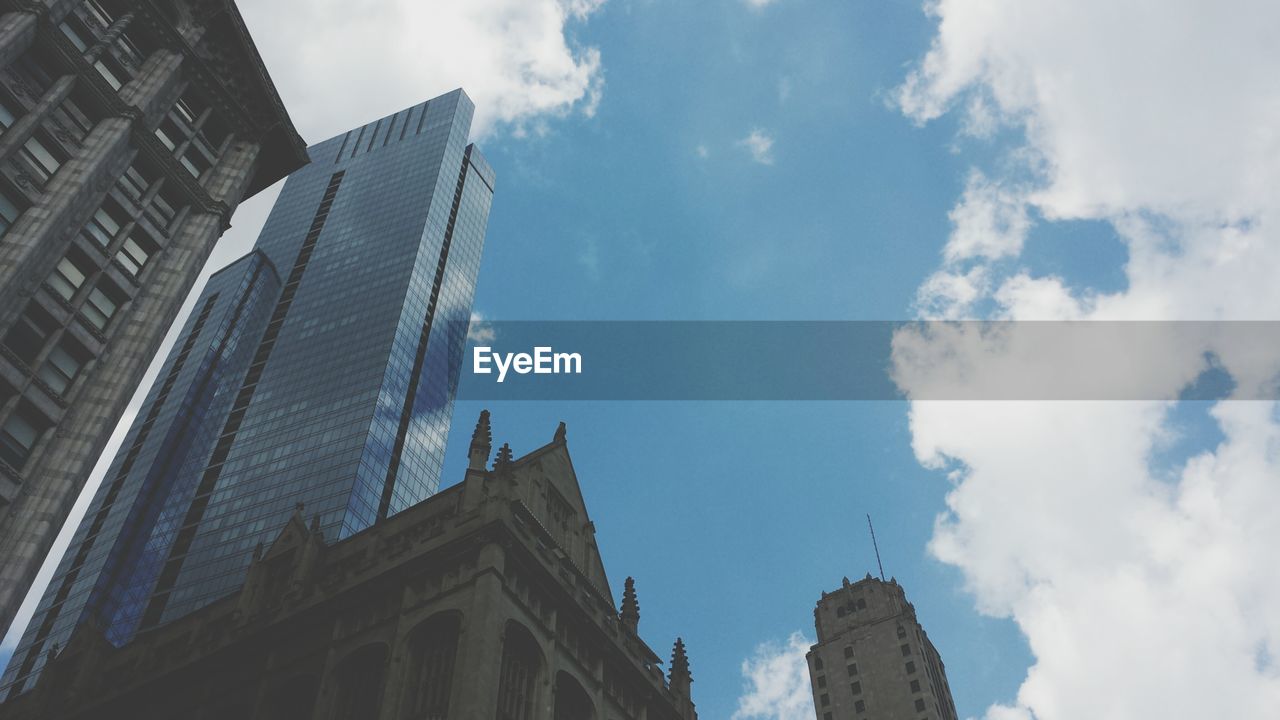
x=488 y=600
x=873 y=659
x=131 y=131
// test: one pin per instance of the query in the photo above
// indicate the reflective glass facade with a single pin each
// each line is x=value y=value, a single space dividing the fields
x=319 y=370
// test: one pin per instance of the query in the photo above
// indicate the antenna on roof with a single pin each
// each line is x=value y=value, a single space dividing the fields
x=877 y=547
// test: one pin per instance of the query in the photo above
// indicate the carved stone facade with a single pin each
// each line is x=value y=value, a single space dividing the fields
x=873 y=659
x=488 y=601
x=131 y=131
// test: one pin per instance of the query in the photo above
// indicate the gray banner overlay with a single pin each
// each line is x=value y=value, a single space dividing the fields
x=872 y=360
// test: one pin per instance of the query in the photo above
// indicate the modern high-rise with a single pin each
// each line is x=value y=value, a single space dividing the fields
x=319 y=370
x=131 y=131
x=873 y=659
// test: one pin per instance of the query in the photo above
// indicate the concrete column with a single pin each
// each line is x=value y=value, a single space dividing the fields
x=22 y=130
x=230 y=177
x=155 y=87
x=17 y=30
x=40 y=237
x=479 y=660
x=34 y=518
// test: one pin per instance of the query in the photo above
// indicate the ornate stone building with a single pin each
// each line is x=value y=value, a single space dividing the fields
x=873 y=659
x=487 y=601
x=131 y=131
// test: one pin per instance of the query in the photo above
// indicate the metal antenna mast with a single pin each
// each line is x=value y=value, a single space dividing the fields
x=877 y=547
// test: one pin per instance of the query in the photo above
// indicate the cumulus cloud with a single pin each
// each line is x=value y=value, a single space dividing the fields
x=990 y=221
x=480 y=330
x=339 y=64
x=1141 y=594
x=760 y=144
x=777 y=682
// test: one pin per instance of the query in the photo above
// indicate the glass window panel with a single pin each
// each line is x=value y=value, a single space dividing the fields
x=8 y=212
x=66 y=278
x=99 y=308
x=17 y=438
x=6 y=115
x=108 y=75
x=41 y=157
x=73 y=36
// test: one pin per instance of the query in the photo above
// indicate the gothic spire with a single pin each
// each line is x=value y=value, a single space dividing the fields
x=481 y=442
x=680 y=679
x=630 y=614
x=503 y=462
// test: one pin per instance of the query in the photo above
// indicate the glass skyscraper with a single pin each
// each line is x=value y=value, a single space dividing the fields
x=318 y=370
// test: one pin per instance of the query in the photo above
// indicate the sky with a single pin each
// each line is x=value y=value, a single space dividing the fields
x=880 y=160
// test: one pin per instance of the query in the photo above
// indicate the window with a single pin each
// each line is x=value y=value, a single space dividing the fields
x=856 y=688
x=518 y=674
x=68 y=276
x=101 y=305
x=852 y=669
x=134 y=183
x=822 y=681
x=7 y=117
x=19 y=434
x=63 y=364
x=848 y=651
x=42 y=160
x=911 y=667
x=112 y=71
x=194 y=162
x=860 y=706
x=432 y=649
x=825 y=699
x=902 y=632
x=915 y=686
x=74 y=37
x=826 y=716
x=168 y=135
x=103 y=226
x=28 y=335
x=9 y=212
x=161 y=210
x=862 y=604
x=840 y=611
x=134 y=253
x=817 y=663
x=906 y=649
x=919 y=705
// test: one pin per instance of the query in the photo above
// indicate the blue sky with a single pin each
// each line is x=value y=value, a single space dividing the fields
x=735 y=516
x=880 y=160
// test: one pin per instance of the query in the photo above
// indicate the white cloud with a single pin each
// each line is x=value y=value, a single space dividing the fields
x=760 y=144
x=757 y=4
x=702 y=151
x=480 y=330
x=339 y=64
x=1141 y=595
x=989 y=222
x=777 y=682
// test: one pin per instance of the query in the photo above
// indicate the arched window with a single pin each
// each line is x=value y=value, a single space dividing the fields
x=572 y=702
x=358 y=680
x=433 y=647
x=518 y=677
